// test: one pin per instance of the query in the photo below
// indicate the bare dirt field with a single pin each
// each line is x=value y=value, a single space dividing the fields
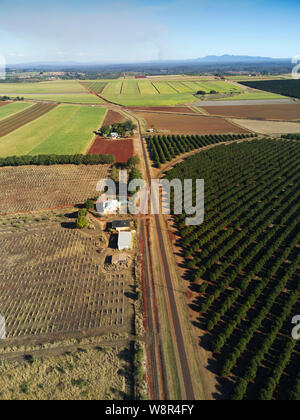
x=4 y=103
x=65 y=376
x=121 y=149
x=113 y=117
x=259 y=112
x=55 y=281
x=176 y=109
x=43 y=187
x=189 y=124
x=269 y=127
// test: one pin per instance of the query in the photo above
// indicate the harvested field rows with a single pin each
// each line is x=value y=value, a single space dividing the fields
x=190 y=124
x=32 y=188
x=259 y=112
x=121 y=149
x=60 y=282
x=16 y=121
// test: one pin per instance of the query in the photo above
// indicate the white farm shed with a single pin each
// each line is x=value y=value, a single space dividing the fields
x=124 y=241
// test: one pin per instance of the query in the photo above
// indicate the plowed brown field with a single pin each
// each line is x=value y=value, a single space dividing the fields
x=113 y=117
x=121 y=149
x=259 y=112
x=4 y=103
x=190 y=124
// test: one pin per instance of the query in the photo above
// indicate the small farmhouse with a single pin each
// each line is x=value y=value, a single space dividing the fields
x=118 y=259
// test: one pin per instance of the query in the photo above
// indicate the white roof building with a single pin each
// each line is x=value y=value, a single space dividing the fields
x=124 y=241
x=114 y=135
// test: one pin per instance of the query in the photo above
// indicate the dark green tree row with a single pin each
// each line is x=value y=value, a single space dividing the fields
x=245 y=253
x=165 y=148
x=57 y=160
x=291 y=136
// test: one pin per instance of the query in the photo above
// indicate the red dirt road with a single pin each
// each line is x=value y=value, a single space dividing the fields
x=121 y=149
x=286 y=112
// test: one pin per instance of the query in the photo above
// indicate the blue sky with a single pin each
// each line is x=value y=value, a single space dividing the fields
x=139 y=30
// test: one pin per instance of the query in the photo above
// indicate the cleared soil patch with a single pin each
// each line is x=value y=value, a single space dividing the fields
x=259 y=112
x=113 y=117
x=121 y=149
x=190 y=124
x=176 y=109
x=269 y=127
x=21 y=118
x=4 y=103
x=41 y=187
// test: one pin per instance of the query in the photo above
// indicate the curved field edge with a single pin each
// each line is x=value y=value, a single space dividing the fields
x=67 y=129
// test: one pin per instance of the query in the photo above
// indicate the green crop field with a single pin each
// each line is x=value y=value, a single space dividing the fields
x=161 y=93
x=67 y=129
x=56 y=86
x=10 y=109
x=82 y=98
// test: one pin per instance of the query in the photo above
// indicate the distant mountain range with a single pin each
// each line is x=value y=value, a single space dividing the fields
x=237 y=59
x=223 y=59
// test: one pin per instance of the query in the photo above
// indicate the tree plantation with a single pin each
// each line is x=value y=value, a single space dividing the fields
x=244 y=260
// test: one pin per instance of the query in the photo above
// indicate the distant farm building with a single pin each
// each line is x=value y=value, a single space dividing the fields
x=114 y=135
x=124 y=241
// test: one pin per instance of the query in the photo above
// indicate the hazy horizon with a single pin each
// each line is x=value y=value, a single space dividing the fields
x=139 y=31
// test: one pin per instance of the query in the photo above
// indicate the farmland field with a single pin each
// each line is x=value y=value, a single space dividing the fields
x=161 y=93
x=62 y=374
x=261 y=112
x=30 y=188
x=269 y=127
x=81 y=98
x=252 y=96
x=95 y=86
x=166 y=148
x=19 y=119
x=67 y=129
x=281 y=87
x=53 y=87
x=12 y=108
x=189 y=124
x=113 y=117
x=242 y=265
x=55 y=273
x=121 y=149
